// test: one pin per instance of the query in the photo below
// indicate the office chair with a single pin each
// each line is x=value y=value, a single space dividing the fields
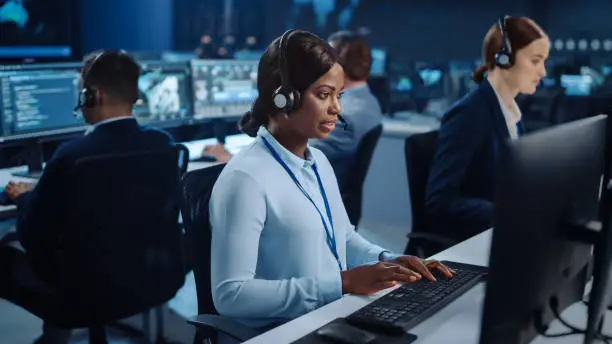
x=351 y=185
x=420 y=150
x=120 y=249
x=196 y=189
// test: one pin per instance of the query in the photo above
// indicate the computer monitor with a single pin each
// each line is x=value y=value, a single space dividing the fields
x=549 y=182
x=223 y=88
x=248 y=54
x=601 y=295
x=36 y=104
x=178 y=56
x=576 y=85
x=379 y=62
x=164 y=94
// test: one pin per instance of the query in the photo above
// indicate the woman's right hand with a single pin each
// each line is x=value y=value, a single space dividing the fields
x=369 y=279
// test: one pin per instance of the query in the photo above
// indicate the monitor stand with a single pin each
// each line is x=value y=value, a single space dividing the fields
x=34 y=159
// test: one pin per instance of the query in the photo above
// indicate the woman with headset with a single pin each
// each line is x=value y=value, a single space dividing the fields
x=460 y=189
x=282 y=243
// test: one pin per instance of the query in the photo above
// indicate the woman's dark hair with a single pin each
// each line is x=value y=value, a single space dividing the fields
x=354 y=54
x=520 y=31
x=308 y=58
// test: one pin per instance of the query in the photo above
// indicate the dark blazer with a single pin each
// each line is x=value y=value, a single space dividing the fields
x=460 y=189
x=39 y=222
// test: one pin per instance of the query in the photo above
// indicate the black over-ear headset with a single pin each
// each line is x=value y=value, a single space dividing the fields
x=285 y=98
x=87 y=96
x=504 y=58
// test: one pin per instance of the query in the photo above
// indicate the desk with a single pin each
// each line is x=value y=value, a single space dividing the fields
x=459 y=322
x=233 y=144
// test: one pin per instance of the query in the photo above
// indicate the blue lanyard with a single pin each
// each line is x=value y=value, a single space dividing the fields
x=331 y=237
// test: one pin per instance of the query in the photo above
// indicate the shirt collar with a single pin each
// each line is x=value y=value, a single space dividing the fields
x=93 y=127
x=289 y=158
x=511 y=116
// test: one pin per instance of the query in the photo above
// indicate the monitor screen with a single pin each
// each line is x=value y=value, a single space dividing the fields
x=164 y=94
x=37 y=103
x=37 y=29
x=223 y=88
x=248 y=54
x=577 y=85
x=379 y=62
x=430 y=76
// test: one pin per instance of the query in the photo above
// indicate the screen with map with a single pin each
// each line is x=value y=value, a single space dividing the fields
x=37 y=29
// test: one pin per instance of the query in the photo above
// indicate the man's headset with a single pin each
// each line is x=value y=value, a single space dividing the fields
x=286 y=98
x=504 y=58
x=88 y=96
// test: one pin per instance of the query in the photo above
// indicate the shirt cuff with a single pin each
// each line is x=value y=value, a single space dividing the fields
x=386 y=256
x=330 y=288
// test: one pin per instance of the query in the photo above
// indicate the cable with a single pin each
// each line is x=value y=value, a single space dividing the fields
x=554 y=306
x=542 y=328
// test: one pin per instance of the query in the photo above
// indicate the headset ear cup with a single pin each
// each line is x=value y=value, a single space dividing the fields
x=280 y=99
x=297 y=98
x=91 y=98
x=503 y=60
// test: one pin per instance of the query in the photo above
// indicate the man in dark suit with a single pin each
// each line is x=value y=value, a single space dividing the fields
x=109 y=82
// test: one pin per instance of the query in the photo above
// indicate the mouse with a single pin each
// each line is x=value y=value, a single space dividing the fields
x=345 y=333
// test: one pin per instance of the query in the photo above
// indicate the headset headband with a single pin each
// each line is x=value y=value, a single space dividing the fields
x=505 y=42
x=284 y=64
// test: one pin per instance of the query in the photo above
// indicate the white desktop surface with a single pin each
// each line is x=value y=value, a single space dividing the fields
x=459 y=322
x=233 y=144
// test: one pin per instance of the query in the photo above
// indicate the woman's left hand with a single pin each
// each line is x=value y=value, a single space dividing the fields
x=424 y=267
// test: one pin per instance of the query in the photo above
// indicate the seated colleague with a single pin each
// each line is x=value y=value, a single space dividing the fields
x=360 y=109
x=282 y=243
x=111 y=81
x=461 y=181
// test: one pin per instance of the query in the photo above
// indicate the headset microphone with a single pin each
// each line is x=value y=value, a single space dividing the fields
x=343 y=121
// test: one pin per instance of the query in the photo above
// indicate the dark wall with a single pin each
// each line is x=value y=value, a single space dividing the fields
x=195 y=18
x=138 y=25
x=571 y=18
x=414 y=30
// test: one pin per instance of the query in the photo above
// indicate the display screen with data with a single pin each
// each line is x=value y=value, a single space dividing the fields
x=223 y=88
x=163 y=95
x=38 y=102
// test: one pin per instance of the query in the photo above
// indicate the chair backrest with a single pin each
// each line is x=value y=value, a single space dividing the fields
x=352 y=187
x=420 y=150
x=121 y=246
x=196 y=189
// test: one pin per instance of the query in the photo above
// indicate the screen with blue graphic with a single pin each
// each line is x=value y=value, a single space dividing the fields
x=430 y=77
x=223 y=88
x=37 y=103
x=37 y=28
x=379 y=62
x=577 y=85
x=163 y=94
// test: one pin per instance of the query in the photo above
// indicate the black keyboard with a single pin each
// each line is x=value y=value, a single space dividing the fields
x=410 y=304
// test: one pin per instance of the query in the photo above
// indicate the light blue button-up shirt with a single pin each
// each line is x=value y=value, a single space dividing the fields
x=270 y=261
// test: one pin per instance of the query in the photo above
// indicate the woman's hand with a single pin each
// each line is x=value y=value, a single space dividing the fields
x=369 y=279
x=424 y=267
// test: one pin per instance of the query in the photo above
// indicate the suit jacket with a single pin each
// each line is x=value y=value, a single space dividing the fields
x=39 y=222
x=460 y=190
